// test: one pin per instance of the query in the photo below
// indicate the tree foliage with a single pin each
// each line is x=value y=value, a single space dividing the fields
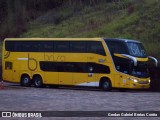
x=15 y=14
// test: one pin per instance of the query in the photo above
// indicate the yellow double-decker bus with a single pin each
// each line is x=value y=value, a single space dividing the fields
x=97 y=62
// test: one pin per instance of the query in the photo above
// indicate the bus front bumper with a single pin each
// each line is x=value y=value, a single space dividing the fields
x=140 y=84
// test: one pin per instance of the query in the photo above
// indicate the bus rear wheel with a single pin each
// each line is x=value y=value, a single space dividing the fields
x=26 y=81
x=38 y=82
x=106 y=85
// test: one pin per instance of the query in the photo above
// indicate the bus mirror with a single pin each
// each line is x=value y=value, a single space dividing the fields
x=132 y=58
x=154 y=59
x=127 y=56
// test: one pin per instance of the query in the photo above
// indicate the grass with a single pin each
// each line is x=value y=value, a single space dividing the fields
x=104 y=20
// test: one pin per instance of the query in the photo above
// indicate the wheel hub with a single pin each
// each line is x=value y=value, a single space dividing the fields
x=37 y=82
x=105 y=85
x=26 y=80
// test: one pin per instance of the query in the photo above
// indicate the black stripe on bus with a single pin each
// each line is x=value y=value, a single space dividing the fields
x=79 y=67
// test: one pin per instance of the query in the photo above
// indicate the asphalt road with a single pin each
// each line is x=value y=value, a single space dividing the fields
x=16 y=98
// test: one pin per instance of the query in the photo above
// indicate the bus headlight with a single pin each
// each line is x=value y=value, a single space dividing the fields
x=135 y=80
x=149 y=81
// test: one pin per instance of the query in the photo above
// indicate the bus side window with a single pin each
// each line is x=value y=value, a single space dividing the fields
x=18 y=46
x=48 y=46
x=68 y=67
x=37 y=46
x=25 y=46
x=9 y=45
x=116 y=47
x=78 y=46
x=96 y=47
x=62 y=46
x=59 y=67
x=79 y=67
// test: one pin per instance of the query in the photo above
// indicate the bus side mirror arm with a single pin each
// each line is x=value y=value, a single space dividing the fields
x=154 y=59
x=131 y=57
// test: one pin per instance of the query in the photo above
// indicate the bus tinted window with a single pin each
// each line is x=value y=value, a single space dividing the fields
x=41 y=46
x=49 y=46
x=117 y=47
x=36 y=46
x=22 y=46
x=97 y=68
x=61 y=46
x=56 y=46
x=17 y=46
x=68 y=67
x=95 y=47
x=79 y=67
x=9 y=45
x=78 y=47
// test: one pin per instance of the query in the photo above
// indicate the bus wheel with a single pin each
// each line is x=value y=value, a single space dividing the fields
x=38 y=83
x=106 y=85
x=25 y=81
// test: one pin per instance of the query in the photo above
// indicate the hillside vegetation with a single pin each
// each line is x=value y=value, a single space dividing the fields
x=129 y=19
x=132 y=19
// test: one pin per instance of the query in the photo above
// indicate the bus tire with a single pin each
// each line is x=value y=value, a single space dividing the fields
x=38 y=82
x=105 y=84
x=26 y=81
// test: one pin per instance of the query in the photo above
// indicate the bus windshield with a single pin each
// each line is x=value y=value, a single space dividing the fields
x=117 y=47
x=136 y=49
x=141 y=70
x=126 y=66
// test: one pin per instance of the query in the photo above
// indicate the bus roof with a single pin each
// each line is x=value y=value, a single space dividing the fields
x=73 y=39
x=121 y=40
x=39 y=39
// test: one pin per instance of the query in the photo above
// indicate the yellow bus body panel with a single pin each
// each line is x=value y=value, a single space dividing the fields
x=28 y=63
